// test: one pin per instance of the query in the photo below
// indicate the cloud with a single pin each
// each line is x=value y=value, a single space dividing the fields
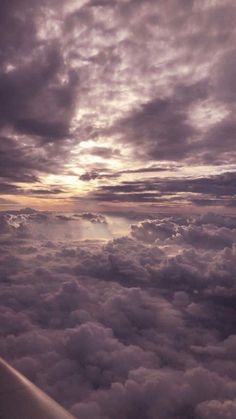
x=132 y=79
x=161 y=126
x=136 y=326
x=34 y=99
x=208 y=190
x=94 y=218
x=87 y=176
x=37 y=95
x=46 y=225
x=104 y=152
x=217 y=409
x=222 y=77
x=165 y=390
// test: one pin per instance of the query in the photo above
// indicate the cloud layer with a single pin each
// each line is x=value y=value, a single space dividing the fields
x=138 y=326
x=97 y=93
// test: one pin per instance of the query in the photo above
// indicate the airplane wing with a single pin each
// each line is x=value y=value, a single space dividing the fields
x=20 y=399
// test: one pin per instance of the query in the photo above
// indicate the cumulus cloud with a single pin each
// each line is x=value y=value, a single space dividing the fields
x=137 y=326
x=201 y=236
x=216 y=409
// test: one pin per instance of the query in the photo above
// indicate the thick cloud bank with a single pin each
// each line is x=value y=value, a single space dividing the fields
x=140 y=326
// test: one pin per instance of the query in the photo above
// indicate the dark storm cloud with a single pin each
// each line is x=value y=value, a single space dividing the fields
x=21 y=163
x=24 y=164
x=34 y=100
x=160 y=129
x=37 y=92
x=223 y=79
x=219 y=142
x=95 y=174
x=219 y=187
x=9 y=189
x=21 y=24
x=139 y=326
x=151 y=169
x=89 y=176
x=132 y=73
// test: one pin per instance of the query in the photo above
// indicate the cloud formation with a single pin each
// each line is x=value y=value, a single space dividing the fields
x=138 y=326
x=98 y=93
x=125 y=106
x=209 y=190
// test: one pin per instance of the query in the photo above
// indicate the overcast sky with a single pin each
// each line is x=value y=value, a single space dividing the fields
x=118 y=104
x=117 y=204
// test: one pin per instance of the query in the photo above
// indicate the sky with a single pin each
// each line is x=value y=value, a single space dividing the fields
x=117 y=207
x=118 y=105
